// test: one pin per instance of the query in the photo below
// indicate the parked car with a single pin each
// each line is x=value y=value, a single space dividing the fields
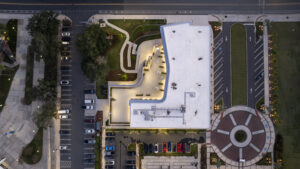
x=64 y=132
x=63 y=147
x=108 y=153
x=89 y=160
x=164 y=147
x=109 y=157
x=65 y=48
x=89 y=120
x=109 y=167
x=169 y=147
x=110 y=162
x=156 y=148
x=130 y=167
x=64 y=82
x=130 y=162
x=90 y=91
x=109 y=139
x=65 y=68
x=65 y=34
x=89 y=101
x=145 y=148
x=65 y=43
x=183 y=147
x=261 y=75
x=89 y=156
x=64 y=58
x=110 y=148
x=131 y=153
x=66 y=39
x=63 y=111
x=64 y=116
x=110 y=134
x=65 y=29
x=65 y=53
x=150 y=148
x=88 y=107
x=178 y=147
x=89 y=131
x=89 y=141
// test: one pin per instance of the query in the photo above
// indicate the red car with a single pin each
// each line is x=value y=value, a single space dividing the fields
x=165 y=147
x=178 y=147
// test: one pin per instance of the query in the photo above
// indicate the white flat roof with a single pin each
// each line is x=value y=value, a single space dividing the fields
x=186 y=103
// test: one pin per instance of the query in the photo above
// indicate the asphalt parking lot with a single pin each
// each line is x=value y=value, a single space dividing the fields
x=123 y=139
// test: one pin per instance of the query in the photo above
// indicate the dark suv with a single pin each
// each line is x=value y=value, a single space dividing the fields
x=90 y=91
x=64 y=132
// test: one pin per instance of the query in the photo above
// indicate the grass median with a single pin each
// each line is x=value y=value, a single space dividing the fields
x=33 y=152
x=238 y=65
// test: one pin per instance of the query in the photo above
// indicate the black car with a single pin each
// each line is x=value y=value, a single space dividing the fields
x=65 y=68
x=66 y=29
x=183 y=145
x=109 y=167
x=64 y=132
x=130 y=167
x=131 y=153
x=261 y=75
x=89 y=160
x=109 y=138
x=90 y=156
x=145 y=148
x=150 y=148
x=130 y=161
x=169 y=147
x=65 y=53
x=110 y=134
x=109 y=157
x=66 y=38
x=65 y=48
x=90 y=91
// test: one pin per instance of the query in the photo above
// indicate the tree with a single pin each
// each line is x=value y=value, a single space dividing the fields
x=42 y=117
x=89 y=68
x=44 y=22
x=2 y=67
x=45 y=91
x=92 y=42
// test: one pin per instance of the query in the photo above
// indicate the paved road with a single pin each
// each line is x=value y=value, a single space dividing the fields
x=194 y=6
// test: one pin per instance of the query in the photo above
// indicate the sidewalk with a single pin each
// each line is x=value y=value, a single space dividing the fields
x=16 y=116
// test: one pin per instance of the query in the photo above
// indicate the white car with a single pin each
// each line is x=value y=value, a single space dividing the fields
x=65 y=116
x=63 y=147
x=89 y=131
x=64 y=82
x=65 y=34
x=156 y=148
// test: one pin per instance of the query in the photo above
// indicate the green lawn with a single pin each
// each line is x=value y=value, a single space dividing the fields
x=238 y=65
x=33 y=152
x=288 y=60
x=6 y=78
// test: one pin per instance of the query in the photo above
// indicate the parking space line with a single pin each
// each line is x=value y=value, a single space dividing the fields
x=258 y=86
x=216 y=84
x=259 y=60
x=259 y=92
x=257 y=48
x=219 y=68
x=258 y=54
x=218 y=36
x=221 y=59
x=217 y=56
x=258 y=67
x=216 y=91
x=258 y=81
x=221 y=92
x=66 y=99
x=215 y=77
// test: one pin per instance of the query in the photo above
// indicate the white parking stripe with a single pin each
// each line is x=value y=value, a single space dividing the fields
x=216 y=91
x=217 y=56
x=259 y=92
x=216 y=84
x=217 y=97
x=215 y=77
x=259 y=60
x=258 y=48
x=219 y=67
x=259 y=54
x=258 y=67
x=258 y=86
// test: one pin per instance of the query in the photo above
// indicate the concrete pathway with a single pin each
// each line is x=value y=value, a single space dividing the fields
x=266 y=66
x=15 y=116
x=123 y=47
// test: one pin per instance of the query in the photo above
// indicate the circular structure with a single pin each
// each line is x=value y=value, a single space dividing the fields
x=241 y=134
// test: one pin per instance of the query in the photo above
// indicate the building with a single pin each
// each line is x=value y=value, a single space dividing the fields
x=179 y=73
